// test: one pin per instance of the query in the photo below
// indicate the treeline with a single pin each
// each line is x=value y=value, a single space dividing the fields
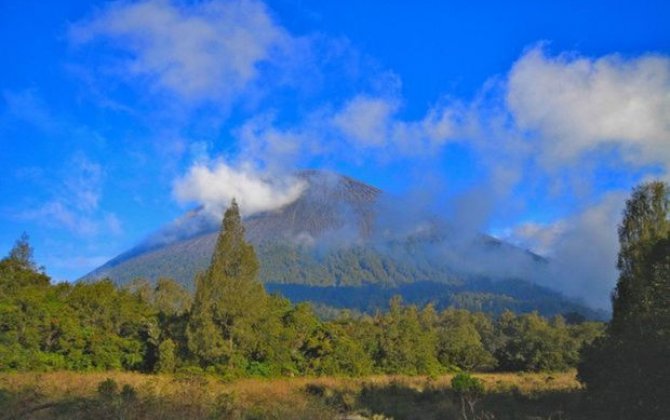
x=233 y=328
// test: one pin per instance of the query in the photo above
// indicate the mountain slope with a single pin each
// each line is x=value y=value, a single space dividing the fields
x=338 y=233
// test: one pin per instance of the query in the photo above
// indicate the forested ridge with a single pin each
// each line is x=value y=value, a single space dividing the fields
x=489 y=296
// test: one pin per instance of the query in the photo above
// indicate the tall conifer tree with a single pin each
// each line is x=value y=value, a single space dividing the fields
x=229 y=300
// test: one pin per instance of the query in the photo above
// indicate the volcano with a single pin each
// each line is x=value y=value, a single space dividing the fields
x=343 y=243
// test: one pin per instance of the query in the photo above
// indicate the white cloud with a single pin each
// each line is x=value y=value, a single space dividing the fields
x=215 y=187
x=576 y=104
x=207 y=51
x=278 y=149
x=567 y=105
x=366 y=121
x=59 y=214
x=566 y=114
x=373 y=122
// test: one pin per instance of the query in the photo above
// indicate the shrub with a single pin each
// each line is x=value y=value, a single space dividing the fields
x=469 y=391
x=108 y=389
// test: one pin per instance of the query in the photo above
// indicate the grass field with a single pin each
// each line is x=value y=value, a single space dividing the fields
x=137 y=396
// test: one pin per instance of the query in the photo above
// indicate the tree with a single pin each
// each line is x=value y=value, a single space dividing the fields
x=171 y=298
x=644 y=226
x=205 y=340
x=533 y=343
x=166 y=357
x=22 y=254
x=229 y=301
x=141 y=288
x=404 y=345
x=459 y=342
x=627 y=371
x=469 y=390
x=18 y=269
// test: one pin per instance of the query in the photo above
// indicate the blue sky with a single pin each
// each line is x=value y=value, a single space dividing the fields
x=529 y=120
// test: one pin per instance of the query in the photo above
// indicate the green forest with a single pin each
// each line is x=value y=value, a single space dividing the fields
x=230 y=327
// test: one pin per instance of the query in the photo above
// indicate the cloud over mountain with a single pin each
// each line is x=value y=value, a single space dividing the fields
x=214 y=187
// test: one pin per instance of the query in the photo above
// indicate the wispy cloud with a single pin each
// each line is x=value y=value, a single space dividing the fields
x=74 y=205
x=27 y=106
x=208 y=51
x=540 y=237
x=362 y=130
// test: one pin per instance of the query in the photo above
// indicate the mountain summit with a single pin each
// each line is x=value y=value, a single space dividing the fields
x=330 y=204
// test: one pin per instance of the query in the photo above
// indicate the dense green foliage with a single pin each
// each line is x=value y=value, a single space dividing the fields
x=234 y=328
x=627 y=371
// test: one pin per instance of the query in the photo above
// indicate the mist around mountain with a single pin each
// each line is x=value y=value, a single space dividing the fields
x=346 y=244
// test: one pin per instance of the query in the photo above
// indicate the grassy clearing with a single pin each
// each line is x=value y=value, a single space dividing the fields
x=138 y=396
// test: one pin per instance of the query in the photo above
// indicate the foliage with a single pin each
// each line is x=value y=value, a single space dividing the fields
x=626 y=371
x=229 y=301
x=537 y=344
x=469 y=390
x=81 y=327
x=460 y=343
x=166 y=357
x=21 y=254
x=108 y=388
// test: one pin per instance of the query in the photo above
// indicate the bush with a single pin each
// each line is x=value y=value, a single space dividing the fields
x=469 y=391
x=108 y=389
x=128 y=393
x=166 y=357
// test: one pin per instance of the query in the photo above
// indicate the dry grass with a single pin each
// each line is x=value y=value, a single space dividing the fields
x=67 y=394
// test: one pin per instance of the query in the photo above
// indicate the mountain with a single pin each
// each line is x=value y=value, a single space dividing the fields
x=346 y=234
